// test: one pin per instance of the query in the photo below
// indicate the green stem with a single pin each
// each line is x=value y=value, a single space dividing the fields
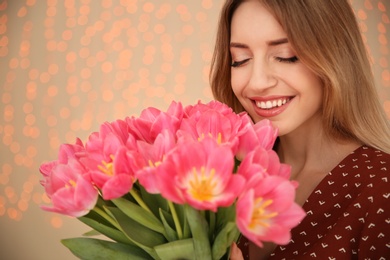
x=176 y=220
x=139 y=200
x=106 y=217
x=211 y=225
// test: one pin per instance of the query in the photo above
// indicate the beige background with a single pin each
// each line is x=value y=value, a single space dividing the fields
x=67 y=66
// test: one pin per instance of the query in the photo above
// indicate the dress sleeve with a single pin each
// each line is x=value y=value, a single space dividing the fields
x=375 y=235
x=243 y=245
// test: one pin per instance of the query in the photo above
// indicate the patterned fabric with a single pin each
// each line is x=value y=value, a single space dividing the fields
x=348 y=213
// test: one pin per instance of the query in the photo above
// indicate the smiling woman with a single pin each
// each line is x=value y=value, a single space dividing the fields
x=303 y=65
x=265 y=71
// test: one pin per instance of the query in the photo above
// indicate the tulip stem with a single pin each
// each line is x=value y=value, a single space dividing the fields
x=175 y=220
x=212 y=224
x=106 y=217
x=139 y=200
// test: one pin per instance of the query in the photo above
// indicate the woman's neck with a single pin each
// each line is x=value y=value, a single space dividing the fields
x=313 y=151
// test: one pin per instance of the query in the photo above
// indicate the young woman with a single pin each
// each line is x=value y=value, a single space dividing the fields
x=302 y=64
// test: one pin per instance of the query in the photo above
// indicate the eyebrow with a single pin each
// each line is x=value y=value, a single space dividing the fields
x=269 y=43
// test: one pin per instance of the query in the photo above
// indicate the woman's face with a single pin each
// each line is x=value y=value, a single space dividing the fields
x=266 y=75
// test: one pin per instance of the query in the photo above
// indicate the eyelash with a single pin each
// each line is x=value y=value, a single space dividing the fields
x=238 y=63
x=286 y=60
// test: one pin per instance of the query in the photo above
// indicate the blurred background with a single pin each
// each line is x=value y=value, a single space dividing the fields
x=68 y=66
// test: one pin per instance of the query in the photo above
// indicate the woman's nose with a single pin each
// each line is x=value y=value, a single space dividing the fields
x=262 y=76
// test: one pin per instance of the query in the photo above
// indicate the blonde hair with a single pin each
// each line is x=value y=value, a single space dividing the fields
x=326 y=37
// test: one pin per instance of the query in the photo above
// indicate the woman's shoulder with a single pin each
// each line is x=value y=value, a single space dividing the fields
x=363 y=175
x=369 y=159
x=369 y=151
x=370 y=169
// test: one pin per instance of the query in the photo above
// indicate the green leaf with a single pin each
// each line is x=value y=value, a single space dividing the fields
x=154 y=201
x=186 y=229
x=224 y=239
x=95 y=249
x=199 y=230
x=92 y=233
x=140 y=235
x=139 y=214
x=234 y=235
x=171 y=233
x=180 y=210
x=212 y=224
x=98 y=218
x=179 y=249
x=225 y=215
x=106 y=230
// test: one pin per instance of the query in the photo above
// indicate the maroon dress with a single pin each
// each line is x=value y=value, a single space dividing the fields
x=348 y=213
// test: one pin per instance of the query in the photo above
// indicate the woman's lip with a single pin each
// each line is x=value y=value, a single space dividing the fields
x=271 y=112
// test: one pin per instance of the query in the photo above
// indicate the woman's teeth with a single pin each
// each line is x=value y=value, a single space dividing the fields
x=272 y=103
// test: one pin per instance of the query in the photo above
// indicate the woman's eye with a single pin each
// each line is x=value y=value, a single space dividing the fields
x=287 y=60
x=239 y=63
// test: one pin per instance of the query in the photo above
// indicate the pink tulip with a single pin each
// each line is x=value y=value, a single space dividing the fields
x=66 y=152
x=111 y=159
x=267 y=211
x=71 y=193
x=260 y=163
x=198 y=109
x=152 y=121
x=200 y=174
x=214 y=120
x=76 y=150
x=153 y=156
x=260 y=134
x=118 y=127
x=116 y=177
x=101 y=145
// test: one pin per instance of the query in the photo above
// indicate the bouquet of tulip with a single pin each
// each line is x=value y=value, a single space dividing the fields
x=179 y=184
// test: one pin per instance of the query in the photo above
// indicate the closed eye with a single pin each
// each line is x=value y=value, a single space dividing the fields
x=287 y=60
x=239 y=63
